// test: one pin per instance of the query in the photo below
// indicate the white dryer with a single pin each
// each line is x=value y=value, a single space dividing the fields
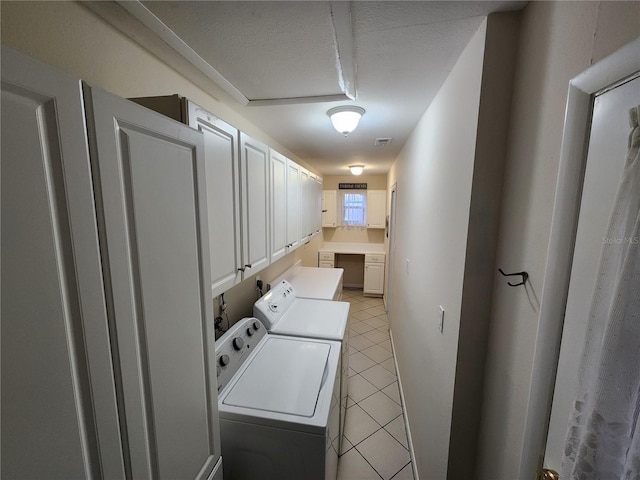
x=283 y=313
x=278 y=399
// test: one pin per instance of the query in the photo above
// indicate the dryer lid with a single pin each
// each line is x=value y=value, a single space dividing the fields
x=314 y=319
x=285 y=376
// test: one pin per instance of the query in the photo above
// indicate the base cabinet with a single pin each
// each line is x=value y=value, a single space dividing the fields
x=106 y=293
x=373 y=274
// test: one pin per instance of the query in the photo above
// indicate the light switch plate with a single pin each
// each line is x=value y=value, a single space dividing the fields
x=441 y=319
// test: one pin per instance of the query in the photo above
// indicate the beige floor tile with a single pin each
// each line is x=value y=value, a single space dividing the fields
x=353 y=466
x=381 y=408
x=376 y=353
x=378 y=376
x=360 y=342
x=384 y=453
x=375 y=311
x=361 y=315
x=376 y=322
x=363 y=327
x=376 y=336
x=346 y=446
x=358 y=425
x=360 y=388
x=352 y=372
x=397 y=429
x=386 y=344
x=350 y=403
x=359 y=362
x=392 y=392
x=405 y=474
x=388 y=363
x=352 y=349
x=356 y=306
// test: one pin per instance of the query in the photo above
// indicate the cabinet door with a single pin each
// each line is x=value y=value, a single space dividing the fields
x=53 y=306
x=254 y=173
x=373 y=278
x=305 y=224
x=317 y=202
x=293 y=204
x=223 y=197
x=153 y=226
x=278 y=182
x=376 y=208
x=329 y=208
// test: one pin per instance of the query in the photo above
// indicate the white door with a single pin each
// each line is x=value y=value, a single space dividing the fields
x=373 y=278
x=376 y=206
x=305 y=221
x=254 y=172
x=329 y=208
x=278 y=182
x=153 y=234
x=223 y=197
x=605 y=160
x=391 y=228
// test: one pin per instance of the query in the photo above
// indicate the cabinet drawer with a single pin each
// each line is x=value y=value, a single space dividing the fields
x=374 y=258
x=326 y=256
x=325 y=264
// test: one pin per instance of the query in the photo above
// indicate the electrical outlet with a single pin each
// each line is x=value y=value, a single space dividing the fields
x=441 y=319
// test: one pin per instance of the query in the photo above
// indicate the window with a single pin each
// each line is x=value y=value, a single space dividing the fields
x=353 y=208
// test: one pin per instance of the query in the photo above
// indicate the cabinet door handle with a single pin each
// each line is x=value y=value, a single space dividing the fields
x=248 y=265
x=241 y=269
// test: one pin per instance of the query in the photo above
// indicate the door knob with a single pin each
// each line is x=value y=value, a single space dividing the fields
x=548 y=474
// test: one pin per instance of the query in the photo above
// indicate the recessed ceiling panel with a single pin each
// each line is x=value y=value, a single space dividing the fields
x=267 y=50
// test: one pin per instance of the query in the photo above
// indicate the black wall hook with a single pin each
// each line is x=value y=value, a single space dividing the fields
x=524 y=275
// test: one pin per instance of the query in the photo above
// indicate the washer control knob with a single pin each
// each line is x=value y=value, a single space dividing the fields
x=224 y=360
x=256 y=326
x=250 y=331
x=238 y=343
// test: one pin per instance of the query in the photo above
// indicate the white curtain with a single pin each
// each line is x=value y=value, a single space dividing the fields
x=353 y=208
x=603 y=437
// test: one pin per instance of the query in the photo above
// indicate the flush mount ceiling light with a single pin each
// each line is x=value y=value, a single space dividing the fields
x=345 y=119
x=356 y=169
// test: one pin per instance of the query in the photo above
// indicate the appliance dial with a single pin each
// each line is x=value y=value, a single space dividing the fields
x=273 y=307
x=224 y=360
x=256 y=325
x=250 y=331
x=238 y=343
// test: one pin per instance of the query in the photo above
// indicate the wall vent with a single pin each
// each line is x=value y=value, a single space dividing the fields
x=381 y=142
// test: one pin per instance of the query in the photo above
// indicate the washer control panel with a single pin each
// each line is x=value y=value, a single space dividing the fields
x=233 y=348
x=272 y=306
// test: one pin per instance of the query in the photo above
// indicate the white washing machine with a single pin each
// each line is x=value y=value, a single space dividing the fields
x=283 y=313
x=278 y=399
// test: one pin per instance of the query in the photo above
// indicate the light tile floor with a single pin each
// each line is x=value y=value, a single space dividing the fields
x=375 y=446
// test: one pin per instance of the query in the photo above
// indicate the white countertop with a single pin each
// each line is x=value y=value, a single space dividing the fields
x=313 y=282
x=352 y=248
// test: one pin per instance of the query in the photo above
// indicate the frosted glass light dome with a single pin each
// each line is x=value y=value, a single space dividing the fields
x=345 y=119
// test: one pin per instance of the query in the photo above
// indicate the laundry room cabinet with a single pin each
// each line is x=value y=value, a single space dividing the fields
x=106 y=311
x=373 y=274
x=293 y=205
x=376 y=208
x=329 y=208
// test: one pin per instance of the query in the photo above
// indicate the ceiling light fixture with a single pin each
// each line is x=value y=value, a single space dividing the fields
x=345 y=119
x=356 y=169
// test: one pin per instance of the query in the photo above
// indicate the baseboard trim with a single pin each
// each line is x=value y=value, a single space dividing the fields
x=412 y=454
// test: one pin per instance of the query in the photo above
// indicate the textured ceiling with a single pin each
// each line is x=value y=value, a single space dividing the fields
x=402 y=52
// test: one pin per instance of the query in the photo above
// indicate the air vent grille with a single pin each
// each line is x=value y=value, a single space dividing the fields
x=381 y=142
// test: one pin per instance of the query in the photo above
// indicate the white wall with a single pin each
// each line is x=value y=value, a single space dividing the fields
x=434 y=176
x=558 y=40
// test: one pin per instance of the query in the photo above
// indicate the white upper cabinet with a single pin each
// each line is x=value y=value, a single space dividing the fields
x=329 y=208
x=223 y=197
x=376 y=208
x=278 y=181
x=317 y=202
x=293 y=205
x=255 y=201
x=305 y=221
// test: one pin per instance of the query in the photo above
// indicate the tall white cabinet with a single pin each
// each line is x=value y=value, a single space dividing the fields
x=106 y=367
